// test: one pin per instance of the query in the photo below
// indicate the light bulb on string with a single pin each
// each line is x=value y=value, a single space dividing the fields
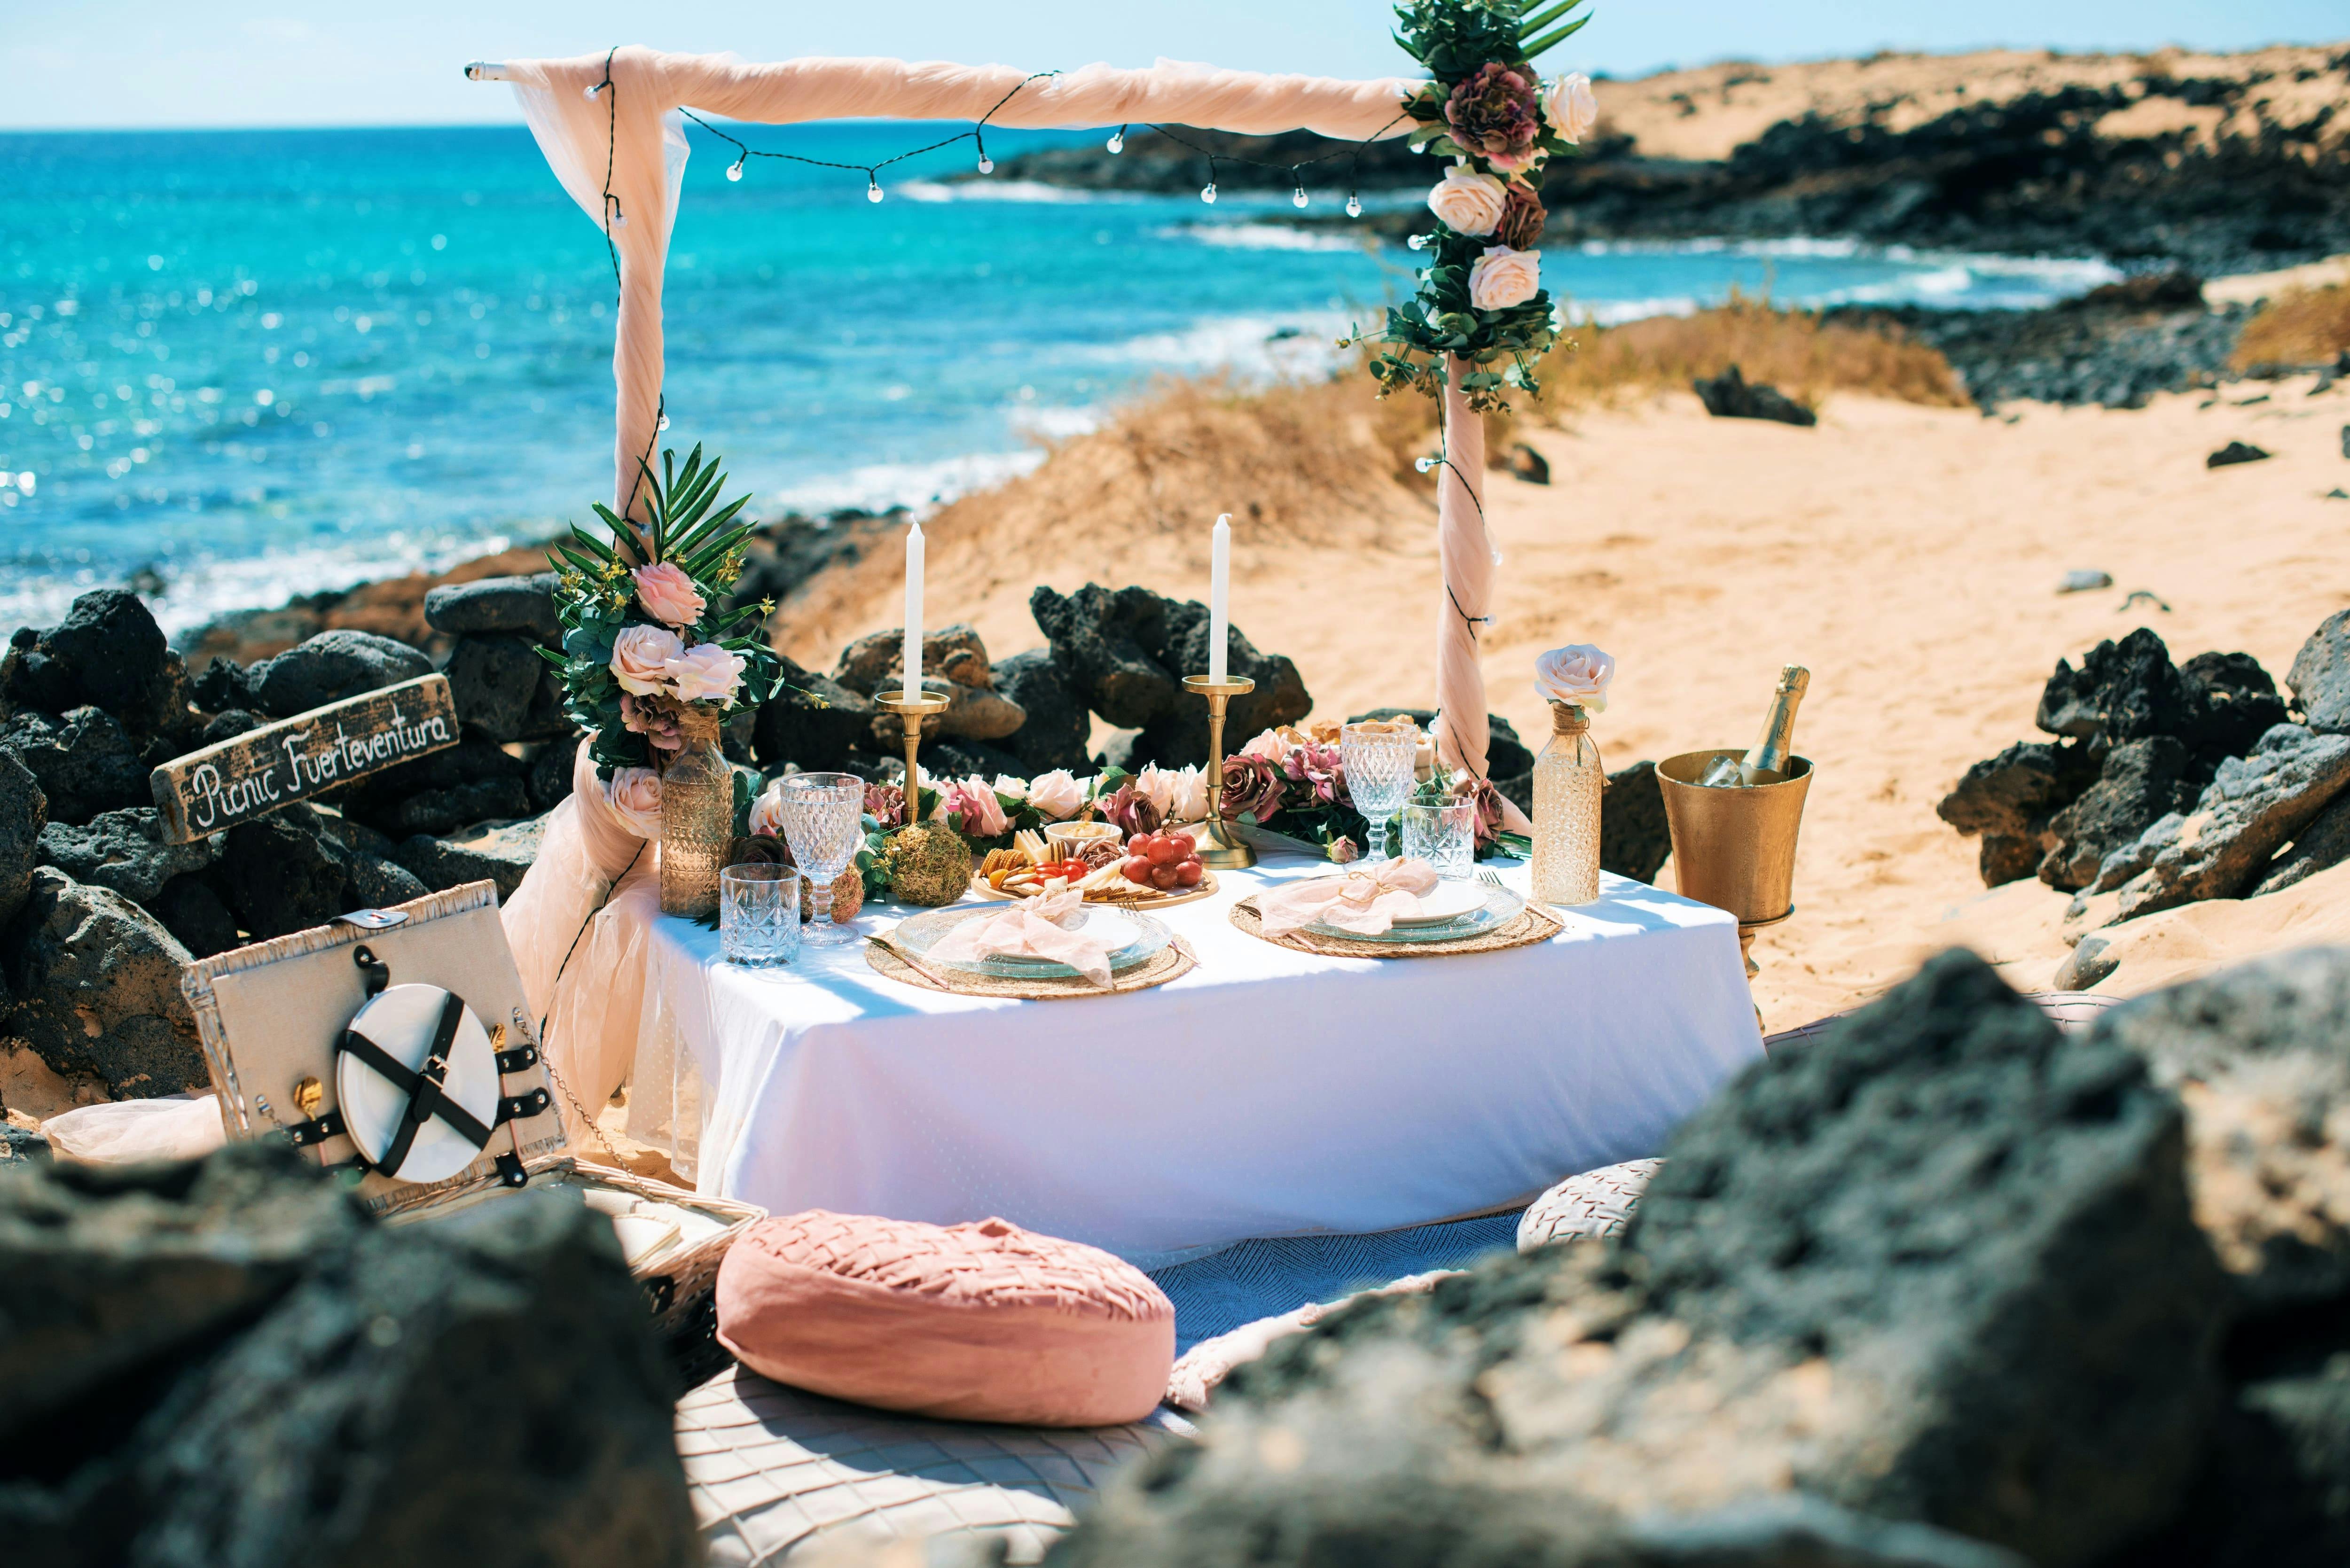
x=664 y=423
x=593 y=91
x=1116 y=142
x=1418 y=242
x=734 y=169
x=1424 y=465
x=986 y=165
x=1353 y=206
x=872 y=188
x=1298 y=198
x=1208 y=195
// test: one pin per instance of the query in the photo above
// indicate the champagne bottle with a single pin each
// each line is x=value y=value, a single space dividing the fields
x=1770 y=753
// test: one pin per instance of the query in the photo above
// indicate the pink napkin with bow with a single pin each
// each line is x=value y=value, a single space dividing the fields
x=1364 y=901
x=1031 y=929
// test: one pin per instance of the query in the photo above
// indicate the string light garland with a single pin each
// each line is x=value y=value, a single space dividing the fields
x=1353 y=155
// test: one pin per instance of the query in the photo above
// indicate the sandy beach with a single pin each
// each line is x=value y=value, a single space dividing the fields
x=1908 y=556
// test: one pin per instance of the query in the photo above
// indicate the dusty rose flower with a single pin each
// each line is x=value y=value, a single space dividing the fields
x=654 y=718
x=972 y=804
x=1345 y=851
x=1492 y=115
x=706 y=672
x=1321 y=769
x=1253 y=786
x=667 y=594
x=1480 y=793
x=1579 y=674
x=1468 y=202
x=1522 y=218
x=885 y=803
x=1056 y=795
x=1503 y=278
x=640 y=657
x=1132 y=811
x=634 y=797
x=1570 y=107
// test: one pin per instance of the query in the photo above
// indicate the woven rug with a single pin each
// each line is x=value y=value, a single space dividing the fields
x=1252 y=1280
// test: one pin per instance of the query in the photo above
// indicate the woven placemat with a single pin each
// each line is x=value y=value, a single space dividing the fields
x=888 y=960
x=1531 y=926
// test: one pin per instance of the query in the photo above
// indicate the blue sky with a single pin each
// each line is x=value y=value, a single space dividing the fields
x=94 y=63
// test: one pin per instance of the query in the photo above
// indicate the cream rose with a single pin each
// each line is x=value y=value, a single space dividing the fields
x=640 y=657
x=667 y=594
x=1190 y=801
x=1468 y=202
x=706 y=672
x=634 y=797
x=768 y=811
x=1005 y=785
x=1157 y=786
x=1056 y=795
x=1568 y=104
x=1503 y=278
x=1268 y=744
x=1579 y=674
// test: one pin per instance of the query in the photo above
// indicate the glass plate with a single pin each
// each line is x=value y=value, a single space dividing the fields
x=1136 y=938
x=1500 y=907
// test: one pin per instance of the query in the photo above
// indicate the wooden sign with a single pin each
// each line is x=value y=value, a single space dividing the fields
x=254 y=773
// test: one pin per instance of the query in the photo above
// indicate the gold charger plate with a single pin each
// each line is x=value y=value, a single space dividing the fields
x=1157 y=901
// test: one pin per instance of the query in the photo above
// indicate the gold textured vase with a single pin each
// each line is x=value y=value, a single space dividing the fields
x=697 y=817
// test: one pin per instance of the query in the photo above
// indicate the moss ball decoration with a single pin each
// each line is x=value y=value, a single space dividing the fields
x=767 y=850
x=929 y=865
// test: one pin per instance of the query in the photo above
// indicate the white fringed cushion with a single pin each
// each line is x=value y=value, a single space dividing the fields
x=1596 y=1203
x=778 y=1475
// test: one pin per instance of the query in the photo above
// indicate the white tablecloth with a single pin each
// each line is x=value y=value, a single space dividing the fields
x=1266 y=1093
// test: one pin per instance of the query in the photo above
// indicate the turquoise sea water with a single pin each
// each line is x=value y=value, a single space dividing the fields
x=270 y=362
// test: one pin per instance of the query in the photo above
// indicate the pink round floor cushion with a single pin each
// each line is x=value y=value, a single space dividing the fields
x=982 y=1321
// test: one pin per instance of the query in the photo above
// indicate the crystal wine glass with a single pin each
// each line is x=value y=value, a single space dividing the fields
x=822 y=817
x=1379 y=764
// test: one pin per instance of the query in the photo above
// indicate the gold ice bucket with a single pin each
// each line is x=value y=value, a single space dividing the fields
x=1735 y=848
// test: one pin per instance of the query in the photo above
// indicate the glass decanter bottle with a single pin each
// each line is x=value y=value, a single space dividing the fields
x=1567 y=780
x=697 y=816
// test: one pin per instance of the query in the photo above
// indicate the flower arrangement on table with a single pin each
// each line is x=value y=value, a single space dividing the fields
x=1294 y=782
x=1481 y=297
x=648 y=648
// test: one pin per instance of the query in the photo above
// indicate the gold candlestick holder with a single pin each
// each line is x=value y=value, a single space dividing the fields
x=1222 y=847
x=912 y=711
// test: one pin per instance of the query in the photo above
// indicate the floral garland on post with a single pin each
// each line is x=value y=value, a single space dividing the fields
x=1481 y=297
x=644 y=635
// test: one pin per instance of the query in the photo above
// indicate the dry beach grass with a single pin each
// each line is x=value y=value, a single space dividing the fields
x=1907 y=553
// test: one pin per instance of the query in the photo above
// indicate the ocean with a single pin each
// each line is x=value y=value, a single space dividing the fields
x=240 y=366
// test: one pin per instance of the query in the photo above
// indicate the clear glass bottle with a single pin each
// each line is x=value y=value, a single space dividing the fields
x=1567 y=781
x=697 y=817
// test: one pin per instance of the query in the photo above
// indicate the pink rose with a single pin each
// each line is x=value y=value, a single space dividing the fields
x=667 y=594
x=972 y=800
x=1056 y=795
x=1503 y=278
x=1269 y=746
x=640 y=655
x=1579 y=674
x=634 y=797
x=1468 y=202
x=704 y=673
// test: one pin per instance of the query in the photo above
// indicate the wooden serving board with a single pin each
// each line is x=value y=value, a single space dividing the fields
x=1144 y=906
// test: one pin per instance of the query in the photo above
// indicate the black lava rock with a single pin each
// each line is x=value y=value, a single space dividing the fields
x=223 y=685
x=548 y=780
x=97 y=982
x=492 y=680
x=1728 y=397
x=2124 y=690
x=522 y=605
x=2255 y=806
x=2091 y=350
x=117 y=657
x=1529 y=465
x=2320 y=676
x=816 y=723
x=228 y=724
x=1058 y=727
x=2231 y=703
x=376 y=882
x=2234 y=452
x=284 y=872
x=2010 y=798
x=124 y=850
x=330 y=667
x=85 y=762
x=2322 y=845
x=191 y=908
x=1635 y=839
x=24 y=813
x=470 y=782
x=2143 y=781
x=236 y=1367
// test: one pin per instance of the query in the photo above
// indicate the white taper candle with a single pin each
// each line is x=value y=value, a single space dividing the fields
x=914 y=613
x=1219 y=588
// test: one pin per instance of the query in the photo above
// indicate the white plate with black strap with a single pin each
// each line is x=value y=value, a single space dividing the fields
x=416 y=1079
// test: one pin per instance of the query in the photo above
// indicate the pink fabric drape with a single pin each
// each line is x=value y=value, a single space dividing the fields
x=629 y=129
x=1465 y=556
x=581 y=957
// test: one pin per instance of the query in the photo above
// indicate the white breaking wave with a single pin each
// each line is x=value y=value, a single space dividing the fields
x=1032 y=191
x=1254 y=347
x=921 y=487
x=1264 y=237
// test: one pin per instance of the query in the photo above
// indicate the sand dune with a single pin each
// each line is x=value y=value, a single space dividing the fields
x=1909 y=556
